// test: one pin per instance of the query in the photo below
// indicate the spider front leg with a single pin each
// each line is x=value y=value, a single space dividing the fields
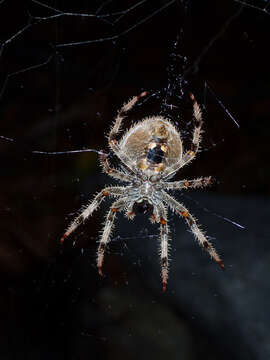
x=197 y=115
x=191 y=153
x=108 y=169
x=116 y=206
x=181 y=210
x=116 y=129
x=88 y=210
x=186 y=184
x=122 y=113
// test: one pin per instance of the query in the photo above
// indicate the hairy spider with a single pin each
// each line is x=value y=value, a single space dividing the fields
x=150 y=152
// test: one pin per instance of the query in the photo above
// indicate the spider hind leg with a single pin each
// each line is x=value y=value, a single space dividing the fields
x=118 y=205
x=164 y=238
x=190 y=220
x=161 y=216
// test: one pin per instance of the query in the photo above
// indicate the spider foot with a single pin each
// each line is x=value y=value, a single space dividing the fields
x=164 y=285
x=192 y=97
x=220 y=263
x=209 y=180
x=63 y=238
x=144 y=93
x=100 y=271
x=164 y=275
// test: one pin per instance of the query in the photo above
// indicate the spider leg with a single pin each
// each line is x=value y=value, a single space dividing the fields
x=88 y=210
x=186 y=184
x=130 y=214
x=116 y=174
x=155 y=217
x=122 y=113
x=105 y=238
x=190 y=220
x=197 y=115
x=116 y=129
x=164 y=238
x=196 y=139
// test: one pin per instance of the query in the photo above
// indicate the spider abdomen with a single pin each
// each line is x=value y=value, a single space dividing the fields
x=153 y=144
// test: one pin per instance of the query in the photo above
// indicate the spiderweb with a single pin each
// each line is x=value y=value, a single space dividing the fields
x=66 y=68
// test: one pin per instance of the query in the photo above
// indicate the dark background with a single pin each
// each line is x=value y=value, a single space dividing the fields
x=53 y=305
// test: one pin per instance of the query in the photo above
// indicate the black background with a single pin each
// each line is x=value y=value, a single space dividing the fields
x=59 y=98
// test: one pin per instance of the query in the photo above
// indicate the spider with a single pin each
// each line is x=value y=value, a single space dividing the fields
x=150 y=153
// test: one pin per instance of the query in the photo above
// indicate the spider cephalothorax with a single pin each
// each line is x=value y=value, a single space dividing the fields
x=150 y=152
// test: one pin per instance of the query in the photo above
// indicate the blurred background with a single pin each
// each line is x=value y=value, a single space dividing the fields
x=66 y=68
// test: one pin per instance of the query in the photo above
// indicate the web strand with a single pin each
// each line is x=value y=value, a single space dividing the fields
x=264 y=9
x=233 y=222
x=110 y=38
x=221 y=105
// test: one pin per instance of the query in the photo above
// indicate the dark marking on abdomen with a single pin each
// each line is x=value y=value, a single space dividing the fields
x=155 y=155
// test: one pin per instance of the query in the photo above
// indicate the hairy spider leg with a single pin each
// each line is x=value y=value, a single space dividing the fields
x=130 y=214
x=94 y=204
x=122 y=113
x=115 y=173
x=186 y=184
x=116 y=129
x=159 y=215
x=118 y=205
x=155 y=217
x=190 y=220
x=196 y=139
x=164 y=239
